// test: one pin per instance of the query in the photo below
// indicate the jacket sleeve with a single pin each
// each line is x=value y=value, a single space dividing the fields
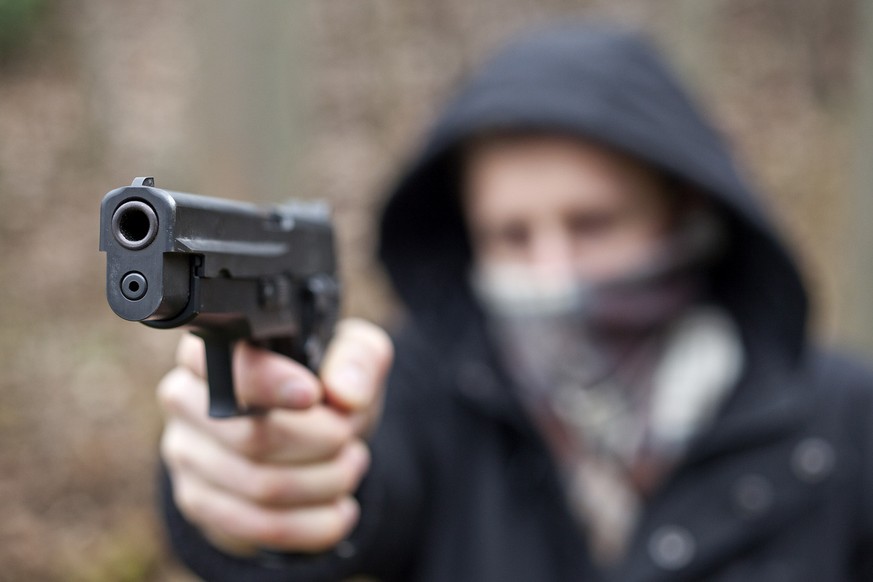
x=391 y=498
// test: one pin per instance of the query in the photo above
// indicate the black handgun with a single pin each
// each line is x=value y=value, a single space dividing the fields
x=228 y=270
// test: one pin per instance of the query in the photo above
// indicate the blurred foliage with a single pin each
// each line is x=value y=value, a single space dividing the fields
x=18 y=20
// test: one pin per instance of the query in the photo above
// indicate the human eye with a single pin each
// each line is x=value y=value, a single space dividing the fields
x=513 y=235
x=591 y=224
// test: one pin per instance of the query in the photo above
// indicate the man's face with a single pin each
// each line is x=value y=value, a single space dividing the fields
x=562 y=207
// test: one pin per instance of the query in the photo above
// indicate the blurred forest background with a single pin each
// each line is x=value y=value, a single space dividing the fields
x=322 y=99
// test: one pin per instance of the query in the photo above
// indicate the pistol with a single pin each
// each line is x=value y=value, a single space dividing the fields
x=227 y=270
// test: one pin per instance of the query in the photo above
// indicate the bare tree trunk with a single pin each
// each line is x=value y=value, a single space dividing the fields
x=858 y=314
x=688 y=34
x=251 y=98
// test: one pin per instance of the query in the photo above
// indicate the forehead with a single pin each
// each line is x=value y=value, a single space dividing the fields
x=508 y=173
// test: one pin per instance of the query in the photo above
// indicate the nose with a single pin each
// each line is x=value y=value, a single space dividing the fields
x=551 y=253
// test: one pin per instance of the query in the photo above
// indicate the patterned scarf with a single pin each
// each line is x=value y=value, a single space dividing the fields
x=619 y=376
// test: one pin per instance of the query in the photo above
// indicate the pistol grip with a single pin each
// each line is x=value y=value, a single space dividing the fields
x=219 y=374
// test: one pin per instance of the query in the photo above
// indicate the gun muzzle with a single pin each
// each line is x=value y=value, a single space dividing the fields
x=134 y=225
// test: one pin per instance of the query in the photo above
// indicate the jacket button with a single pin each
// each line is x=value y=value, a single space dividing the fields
x=753 y=495
x=812 y=460
x=671 y=547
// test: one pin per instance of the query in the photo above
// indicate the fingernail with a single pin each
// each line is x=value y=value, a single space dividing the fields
x=296 y=394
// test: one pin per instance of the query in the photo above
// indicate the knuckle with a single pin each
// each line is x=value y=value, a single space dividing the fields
x=269 y=488
x=251 y=442
x=188 y=500
x=252 y=389
x=170 y=392
x=250 y=448
x=328 y=541
x=338 y=434
x=359 y=464
x=365 y=421
x=273 y=532
x=331 y=531
x=171 y=450
x=288 y=531
x=349 y=478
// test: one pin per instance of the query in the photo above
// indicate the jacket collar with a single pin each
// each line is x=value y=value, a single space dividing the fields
x=769 y=400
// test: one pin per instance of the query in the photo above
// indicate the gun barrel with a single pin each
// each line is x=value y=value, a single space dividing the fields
x=134 y=225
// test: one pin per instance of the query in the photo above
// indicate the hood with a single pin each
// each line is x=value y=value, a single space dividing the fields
x=607 y=86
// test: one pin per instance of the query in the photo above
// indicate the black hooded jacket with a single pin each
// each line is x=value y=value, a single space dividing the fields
x=462 y=488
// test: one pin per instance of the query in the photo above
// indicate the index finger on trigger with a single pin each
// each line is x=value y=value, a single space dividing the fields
x=356 y=364
x=265 y=379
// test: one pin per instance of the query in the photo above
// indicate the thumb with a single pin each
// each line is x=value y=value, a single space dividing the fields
x=356 y=364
